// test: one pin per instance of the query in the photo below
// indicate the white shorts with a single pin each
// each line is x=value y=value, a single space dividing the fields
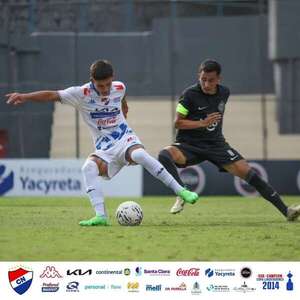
x=115 y=156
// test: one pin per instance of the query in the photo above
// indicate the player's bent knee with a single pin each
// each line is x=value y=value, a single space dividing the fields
x=176 y=155
x=89 y=168
x=99 y=166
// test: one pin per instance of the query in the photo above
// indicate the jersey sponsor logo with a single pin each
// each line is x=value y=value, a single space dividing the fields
x=212 y=126
x=105 y=123
x=105 y=113
x=202 y=108
x=20 y=280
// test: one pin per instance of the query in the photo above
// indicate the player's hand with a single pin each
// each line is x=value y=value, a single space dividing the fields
x=211 y=118
x=15 y=98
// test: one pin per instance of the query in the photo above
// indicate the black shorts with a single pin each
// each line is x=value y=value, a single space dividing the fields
x=218 y=153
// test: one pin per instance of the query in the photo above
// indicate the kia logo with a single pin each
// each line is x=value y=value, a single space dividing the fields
x=79 y=272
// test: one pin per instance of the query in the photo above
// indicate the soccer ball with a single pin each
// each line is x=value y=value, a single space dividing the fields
x=129 y=213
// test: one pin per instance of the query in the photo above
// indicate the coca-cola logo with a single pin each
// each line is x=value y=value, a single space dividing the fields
x=188 y=272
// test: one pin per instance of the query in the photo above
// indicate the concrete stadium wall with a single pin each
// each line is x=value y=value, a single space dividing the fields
x=147 y=62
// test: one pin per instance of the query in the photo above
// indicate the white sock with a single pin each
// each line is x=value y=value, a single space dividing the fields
x=92 y=183
x=155 y=168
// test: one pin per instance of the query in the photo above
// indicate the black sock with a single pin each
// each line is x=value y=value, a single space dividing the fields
x=166 y=160
x=266 y=190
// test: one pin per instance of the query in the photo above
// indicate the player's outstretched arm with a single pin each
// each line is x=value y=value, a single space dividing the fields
x=40 y=96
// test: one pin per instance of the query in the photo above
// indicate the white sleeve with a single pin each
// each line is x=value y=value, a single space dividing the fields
x=71 y=96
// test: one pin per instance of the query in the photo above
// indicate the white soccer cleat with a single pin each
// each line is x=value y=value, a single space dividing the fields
x=178 y=206
x=293 y=213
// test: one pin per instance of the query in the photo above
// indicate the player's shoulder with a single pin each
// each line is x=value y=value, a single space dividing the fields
x=86 y=89
x=224 y=90
x=194 y=88
x=118 y=86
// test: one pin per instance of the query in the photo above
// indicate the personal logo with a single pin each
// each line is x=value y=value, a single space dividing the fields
x=246 y=272
x=244 y=288
x=79 y=272
x=196 y=289
x=95 y=287
x=7 y=181
x=49 y=274
x=289 y=284
x=188 y=272
x=133 y=286
x=20 y=279
x=72 y=287
x=153 y=288
x=127 y=272
x=138 y=271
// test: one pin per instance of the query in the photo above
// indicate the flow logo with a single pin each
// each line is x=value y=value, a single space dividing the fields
x=6 y=183
x=20 y=280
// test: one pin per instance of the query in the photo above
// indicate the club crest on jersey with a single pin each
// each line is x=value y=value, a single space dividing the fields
x=105 y=100
x=20 y=280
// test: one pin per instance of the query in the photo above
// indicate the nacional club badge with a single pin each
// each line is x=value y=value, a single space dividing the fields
x=20 y=280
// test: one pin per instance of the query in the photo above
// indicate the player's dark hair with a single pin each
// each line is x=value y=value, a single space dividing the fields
x=210 y=65
x=101 y=69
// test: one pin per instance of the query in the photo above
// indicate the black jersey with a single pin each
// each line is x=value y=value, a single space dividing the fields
x=196 y=106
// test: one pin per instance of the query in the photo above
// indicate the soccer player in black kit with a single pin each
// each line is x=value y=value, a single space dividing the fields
x=199 y=121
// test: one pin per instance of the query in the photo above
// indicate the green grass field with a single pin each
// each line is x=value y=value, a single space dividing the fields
x=214 y=229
